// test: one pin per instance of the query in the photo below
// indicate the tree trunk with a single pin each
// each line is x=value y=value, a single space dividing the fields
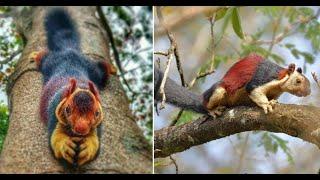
x=26 y=150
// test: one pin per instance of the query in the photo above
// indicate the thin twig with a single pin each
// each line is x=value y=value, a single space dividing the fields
x=175 y=164
x=163 y=82
x=175 y=120
x=201 y=75
x=161 y=53
x=10 y=58
x=136 y=68
x=144 y=49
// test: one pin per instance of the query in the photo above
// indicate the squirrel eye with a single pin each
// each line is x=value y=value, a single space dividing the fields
x=67 y=111
x=97 y=113
x=298 y=81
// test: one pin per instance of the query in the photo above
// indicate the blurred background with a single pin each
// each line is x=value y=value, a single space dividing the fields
x=131 y=28
x=214 y=38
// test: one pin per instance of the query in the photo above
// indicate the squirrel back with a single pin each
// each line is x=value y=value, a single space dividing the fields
x=61 y=31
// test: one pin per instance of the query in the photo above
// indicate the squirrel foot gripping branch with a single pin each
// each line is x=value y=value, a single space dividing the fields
x=70 y=102
x=252 y=80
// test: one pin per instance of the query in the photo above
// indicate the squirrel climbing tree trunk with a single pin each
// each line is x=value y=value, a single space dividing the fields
x=123 y=148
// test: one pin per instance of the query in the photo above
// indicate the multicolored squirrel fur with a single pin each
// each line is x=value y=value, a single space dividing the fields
x=252 y=80
x=70 y=103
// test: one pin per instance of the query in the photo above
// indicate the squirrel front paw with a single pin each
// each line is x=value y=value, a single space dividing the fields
x=88 y=149
x=37 y=56
x=217 y=111
x=268 y=107
x=273 y=102
x=63 y=147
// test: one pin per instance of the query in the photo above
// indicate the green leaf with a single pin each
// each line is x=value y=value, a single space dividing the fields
x=295 y=53
x=187 y=116
x=236 y=23
x=247 y=49
x=271 y=11
x=219 y=59
x=4 y=118
x=289 y=45
x=225 y=24
x=277 y=58
x=220 y=14
x=306 y=11
x=283 y=145
x=309 y=58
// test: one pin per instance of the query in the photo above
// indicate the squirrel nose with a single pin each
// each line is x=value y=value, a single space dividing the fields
x=81 y=128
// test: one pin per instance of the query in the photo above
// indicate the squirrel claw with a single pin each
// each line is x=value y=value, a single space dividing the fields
x=88 y=150
x=273 y=102
x=217 y=111
x=268 y=108
x=65 y=149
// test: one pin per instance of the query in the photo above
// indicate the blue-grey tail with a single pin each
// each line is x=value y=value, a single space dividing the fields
x=61 y=31
x=177 y=95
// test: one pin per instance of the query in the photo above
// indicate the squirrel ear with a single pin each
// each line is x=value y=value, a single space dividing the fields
x=93 y=89
x=72 y=87
x=299 y=70
x=291 y=68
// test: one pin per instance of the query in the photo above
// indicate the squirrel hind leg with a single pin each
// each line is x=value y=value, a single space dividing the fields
x=105 y=69
x=37 y=56
x=217 y=97
x=108 y=68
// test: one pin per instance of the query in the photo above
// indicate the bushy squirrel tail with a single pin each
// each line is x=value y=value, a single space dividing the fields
x=61 y=31
x=178 y=95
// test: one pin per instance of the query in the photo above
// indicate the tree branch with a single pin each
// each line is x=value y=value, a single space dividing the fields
x=296 y=120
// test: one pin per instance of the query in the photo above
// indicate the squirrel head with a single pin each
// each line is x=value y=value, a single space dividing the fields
x=297 y=83
x=80 y=109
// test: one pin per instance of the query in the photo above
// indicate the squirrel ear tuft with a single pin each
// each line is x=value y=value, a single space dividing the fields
x=291 y=68
x=299 y=70
x=72 y=87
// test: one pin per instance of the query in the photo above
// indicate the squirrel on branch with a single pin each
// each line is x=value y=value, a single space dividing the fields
x=251 y=80
x=70 y=103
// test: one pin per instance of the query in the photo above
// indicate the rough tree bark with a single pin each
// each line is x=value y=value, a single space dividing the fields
x=26 y=150
x=296 y=120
